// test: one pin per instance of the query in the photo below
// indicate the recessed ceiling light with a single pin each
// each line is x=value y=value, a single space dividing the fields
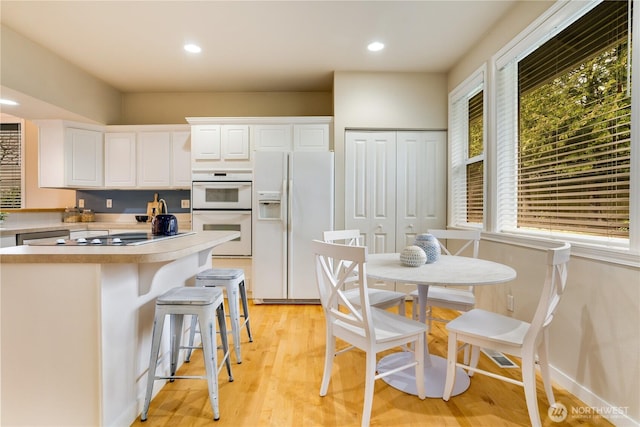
x=375 y=46
x=193 y=48
x=8 y=102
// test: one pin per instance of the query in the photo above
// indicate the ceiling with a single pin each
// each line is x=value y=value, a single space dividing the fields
x=136 y=46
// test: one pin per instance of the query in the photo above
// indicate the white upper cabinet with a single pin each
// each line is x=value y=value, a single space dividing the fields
x=235 y=142
x=291 y=137
x=311 y=137
x=275 y=137
x=226 y=143
x=120 y=160
x=84 y=158
x=220 y=146
x=71 y=154
x=181 y=159
x=206 y=142
x=154 y=159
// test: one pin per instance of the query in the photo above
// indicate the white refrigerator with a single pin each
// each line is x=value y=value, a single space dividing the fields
x=293 y=204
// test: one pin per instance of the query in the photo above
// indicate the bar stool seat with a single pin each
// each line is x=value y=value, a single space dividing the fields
x=233 y=280
x=200 y=303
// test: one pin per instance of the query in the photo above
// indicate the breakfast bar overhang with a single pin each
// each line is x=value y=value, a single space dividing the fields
x=76 y=326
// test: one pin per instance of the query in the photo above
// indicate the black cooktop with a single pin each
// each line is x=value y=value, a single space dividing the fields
x=117 y=239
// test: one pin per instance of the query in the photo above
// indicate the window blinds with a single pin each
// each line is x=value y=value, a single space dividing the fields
x=10 y=166
x=564 y=130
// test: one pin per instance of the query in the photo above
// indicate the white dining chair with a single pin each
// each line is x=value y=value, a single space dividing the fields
x=483 y=329
x=455 y=298
x=381 y=298
x=367 y=328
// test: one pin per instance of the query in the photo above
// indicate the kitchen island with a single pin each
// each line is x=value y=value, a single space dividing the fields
x=76 y=326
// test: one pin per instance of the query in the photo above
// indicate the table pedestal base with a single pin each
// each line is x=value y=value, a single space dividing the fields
x=434 y=376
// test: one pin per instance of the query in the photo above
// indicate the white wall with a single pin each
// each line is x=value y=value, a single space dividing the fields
x=595 y=338
x=383 y=101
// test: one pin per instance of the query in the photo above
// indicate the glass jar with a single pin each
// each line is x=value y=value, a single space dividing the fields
x=71 y=215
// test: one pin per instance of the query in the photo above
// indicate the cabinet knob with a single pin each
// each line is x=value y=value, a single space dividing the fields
x=379 y=226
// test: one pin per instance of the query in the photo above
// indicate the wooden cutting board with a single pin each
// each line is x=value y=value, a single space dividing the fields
x=153 y=205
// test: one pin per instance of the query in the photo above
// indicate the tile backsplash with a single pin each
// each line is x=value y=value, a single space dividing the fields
x=131 y=201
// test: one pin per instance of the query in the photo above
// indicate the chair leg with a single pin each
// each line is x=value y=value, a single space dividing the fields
x=529 y=380
x=370 y=372
x=429 y=318
x=158 y=324
x=475 y=357
x=234 y=313
x=245 y=309
x=176 y=321
x=419 y=351
x=452 y=358
x=329 y=354
x=401 y=307
x=222 y=324
x=192 y=333
x=207 y=333
x=545 y=373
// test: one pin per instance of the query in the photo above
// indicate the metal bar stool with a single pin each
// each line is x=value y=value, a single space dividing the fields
x=200 y=303
x=233 y=280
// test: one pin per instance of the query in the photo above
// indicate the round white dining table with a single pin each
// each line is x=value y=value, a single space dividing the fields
x=447 y=271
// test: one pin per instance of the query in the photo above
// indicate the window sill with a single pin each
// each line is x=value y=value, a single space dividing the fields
x=613 y=255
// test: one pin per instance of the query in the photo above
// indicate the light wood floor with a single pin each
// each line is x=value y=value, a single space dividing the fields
x=278 y=384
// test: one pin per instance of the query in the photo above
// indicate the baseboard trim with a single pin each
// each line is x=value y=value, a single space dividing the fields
x=617 y=415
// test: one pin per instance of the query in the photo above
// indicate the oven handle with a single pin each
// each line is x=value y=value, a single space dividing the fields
x=221 y=184
x=222 y=211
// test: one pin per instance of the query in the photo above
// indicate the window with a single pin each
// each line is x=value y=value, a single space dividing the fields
x=564 y=128
x=467 y=136
x=10 y=166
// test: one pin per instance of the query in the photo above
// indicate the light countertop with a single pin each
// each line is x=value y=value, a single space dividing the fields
x=160 y=251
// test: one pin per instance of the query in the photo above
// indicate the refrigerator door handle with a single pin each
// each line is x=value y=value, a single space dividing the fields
x=290 y=202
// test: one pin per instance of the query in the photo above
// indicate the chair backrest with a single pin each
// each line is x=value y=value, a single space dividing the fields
x=330 y=283
x=346 y=237
x=552 y=290
x=468 y=238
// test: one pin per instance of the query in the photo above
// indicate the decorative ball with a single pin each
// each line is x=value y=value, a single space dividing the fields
x=413 y=256
x=429 y=245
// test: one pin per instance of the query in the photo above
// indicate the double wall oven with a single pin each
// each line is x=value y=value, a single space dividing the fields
x=222 y=201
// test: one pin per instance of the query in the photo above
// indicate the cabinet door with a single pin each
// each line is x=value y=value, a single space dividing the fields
x=370 y=184
x=181 y=159
x=83 y=158
x=272 y=137
x=120 y=159
x=421 y=184
x=311 y=137
x=205 y=142
x=235 y=142
x=154 y=159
